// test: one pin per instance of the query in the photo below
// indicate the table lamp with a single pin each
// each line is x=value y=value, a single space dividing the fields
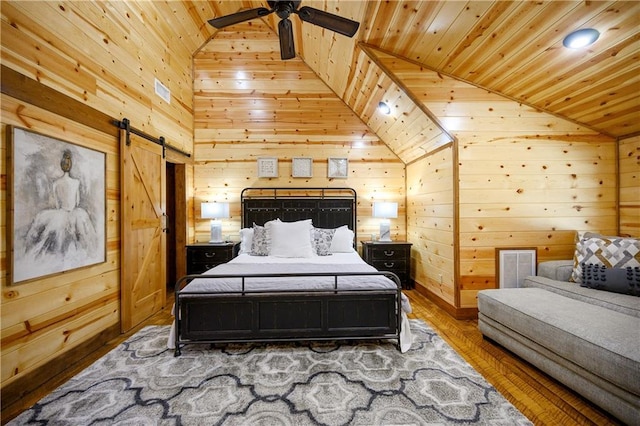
x=385 y=211
x=215 y=211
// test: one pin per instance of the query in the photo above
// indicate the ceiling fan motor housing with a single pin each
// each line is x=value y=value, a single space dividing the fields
x=284 y=8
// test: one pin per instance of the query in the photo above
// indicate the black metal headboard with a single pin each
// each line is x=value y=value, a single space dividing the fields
x=326 y=207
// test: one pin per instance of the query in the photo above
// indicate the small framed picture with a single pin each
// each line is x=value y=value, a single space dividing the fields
x=338 y=168
x=302 y=167
x=267 y=167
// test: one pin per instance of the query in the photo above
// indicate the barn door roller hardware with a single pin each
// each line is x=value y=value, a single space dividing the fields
x=125 y=125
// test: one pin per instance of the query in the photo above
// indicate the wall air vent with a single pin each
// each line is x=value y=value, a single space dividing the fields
x=513 y=265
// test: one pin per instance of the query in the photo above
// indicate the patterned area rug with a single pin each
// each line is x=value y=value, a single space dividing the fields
x=348 y=383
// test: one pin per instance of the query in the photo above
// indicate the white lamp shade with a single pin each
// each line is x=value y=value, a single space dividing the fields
x=214 y=210
x=385 y=210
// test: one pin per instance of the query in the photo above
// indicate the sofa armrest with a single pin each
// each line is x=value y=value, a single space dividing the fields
x=559 y=270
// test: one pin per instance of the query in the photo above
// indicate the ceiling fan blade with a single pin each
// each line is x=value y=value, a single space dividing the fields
x=328 y=20
x=236 y=18
x=287 y=47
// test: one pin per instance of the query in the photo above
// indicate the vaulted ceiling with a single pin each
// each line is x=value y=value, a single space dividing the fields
x=513 y=49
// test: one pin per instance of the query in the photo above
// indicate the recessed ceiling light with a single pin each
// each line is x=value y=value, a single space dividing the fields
x=581 y=38
x=384 y=108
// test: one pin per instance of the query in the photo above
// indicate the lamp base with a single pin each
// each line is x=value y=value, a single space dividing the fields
x=385 y=231
x=216 y=232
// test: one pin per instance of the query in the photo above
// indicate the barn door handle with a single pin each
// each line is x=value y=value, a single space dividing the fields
x=165 y=221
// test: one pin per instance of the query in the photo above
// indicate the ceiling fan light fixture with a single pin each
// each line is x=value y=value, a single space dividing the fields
x=581 y=38
x=384 y=108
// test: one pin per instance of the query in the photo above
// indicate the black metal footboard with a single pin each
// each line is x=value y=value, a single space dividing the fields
x=263 y=316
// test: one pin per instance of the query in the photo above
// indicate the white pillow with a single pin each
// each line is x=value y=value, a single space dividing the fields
x=246 y=237
x=290 y=239
x=342 y=240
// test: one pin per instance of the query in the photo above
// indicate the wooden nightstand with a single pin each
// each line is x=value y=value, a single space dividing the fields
x=203 y=256
x=394 y=256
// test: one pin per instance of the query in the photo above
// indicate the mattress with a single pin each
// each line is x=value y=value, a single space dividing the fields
x=337 y=263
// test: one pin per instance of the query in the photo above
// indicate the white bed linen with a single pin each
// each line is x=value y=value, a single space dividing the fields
x=336 y=262
x=339 y=258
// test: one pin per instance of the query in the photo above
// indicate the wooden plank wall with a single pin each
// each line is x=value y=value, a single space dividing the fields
x=44 y=318
x=629 y=151
x=251 y=104
x=534 y=192
x=105 y=56
x=524 y=179
x=431 y=223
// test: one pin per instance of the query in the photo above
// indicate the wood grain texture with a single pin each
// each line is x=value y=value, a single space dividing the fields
x=629 y=202
x=107 y=56
x=47 y=317
x=250 y=104
x=532 y=167
x=525 y=178
x=510 y=48
x=431 y=223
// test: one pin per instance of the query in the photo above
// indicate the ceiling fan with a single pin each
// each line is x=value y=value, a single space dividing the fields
x=284 y=9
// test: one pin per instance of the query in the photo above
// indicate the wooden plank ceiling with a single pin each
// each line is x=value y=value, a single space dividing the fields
x=513 y=49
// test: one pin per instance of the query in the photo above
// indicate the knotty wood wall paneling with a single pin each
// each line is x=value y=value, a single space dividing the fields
x=104 y=55
x=526 y=178
x=250 y=104
x=629 y=150
x=431 y=223
x=537 y=193
x=44 y=318
x=515 y=48
x=107 y=54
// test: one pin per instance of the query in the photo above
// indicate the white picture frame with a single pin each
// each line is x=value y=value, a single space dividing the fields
x=267 y=167
x=338 y=167
x=302 y=167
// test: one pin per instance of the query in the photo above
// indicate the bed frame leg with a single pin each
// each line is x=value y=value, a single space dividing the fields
x=177 y=353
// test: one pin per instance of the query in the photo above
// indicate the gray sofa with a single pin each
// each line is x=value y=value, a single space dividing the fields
x=585 y=338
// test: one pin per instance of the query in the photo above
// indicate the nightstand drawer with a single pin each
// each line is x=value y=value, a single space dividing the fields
x=202 y=257
x=390 y=265
x=209 y=255
x=388 y=253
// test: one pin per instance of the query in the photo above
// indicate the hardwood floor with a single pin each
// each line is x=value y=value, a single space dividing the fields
x=539 y=397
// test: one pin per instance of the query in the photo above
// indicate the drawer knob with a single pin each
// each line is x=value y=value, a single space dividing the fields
x=210 y=254
x=389 y=252
x=389 y=264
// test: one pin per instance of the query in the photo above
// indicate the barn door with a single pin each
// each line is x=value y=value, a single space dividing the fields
x=143 y=265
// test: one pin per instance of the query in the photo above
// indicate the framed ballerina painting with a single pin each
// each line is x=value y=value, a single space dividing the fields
x=58 y=199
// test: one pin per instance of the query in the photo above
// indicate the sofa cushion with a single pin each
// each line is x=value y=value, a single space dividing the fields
x=556 y=269
x=599 y=340
x=606 y=251
x=617 y=280
x=616 y=302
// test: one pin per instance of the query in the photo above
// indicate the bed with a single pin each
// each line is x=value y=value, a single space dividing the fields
x=305 y=282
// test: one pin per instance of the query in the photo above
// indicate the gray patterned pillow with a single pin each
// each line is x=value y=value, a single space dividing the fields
x=606 y=251
x=260 y=241
x=322 y=240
